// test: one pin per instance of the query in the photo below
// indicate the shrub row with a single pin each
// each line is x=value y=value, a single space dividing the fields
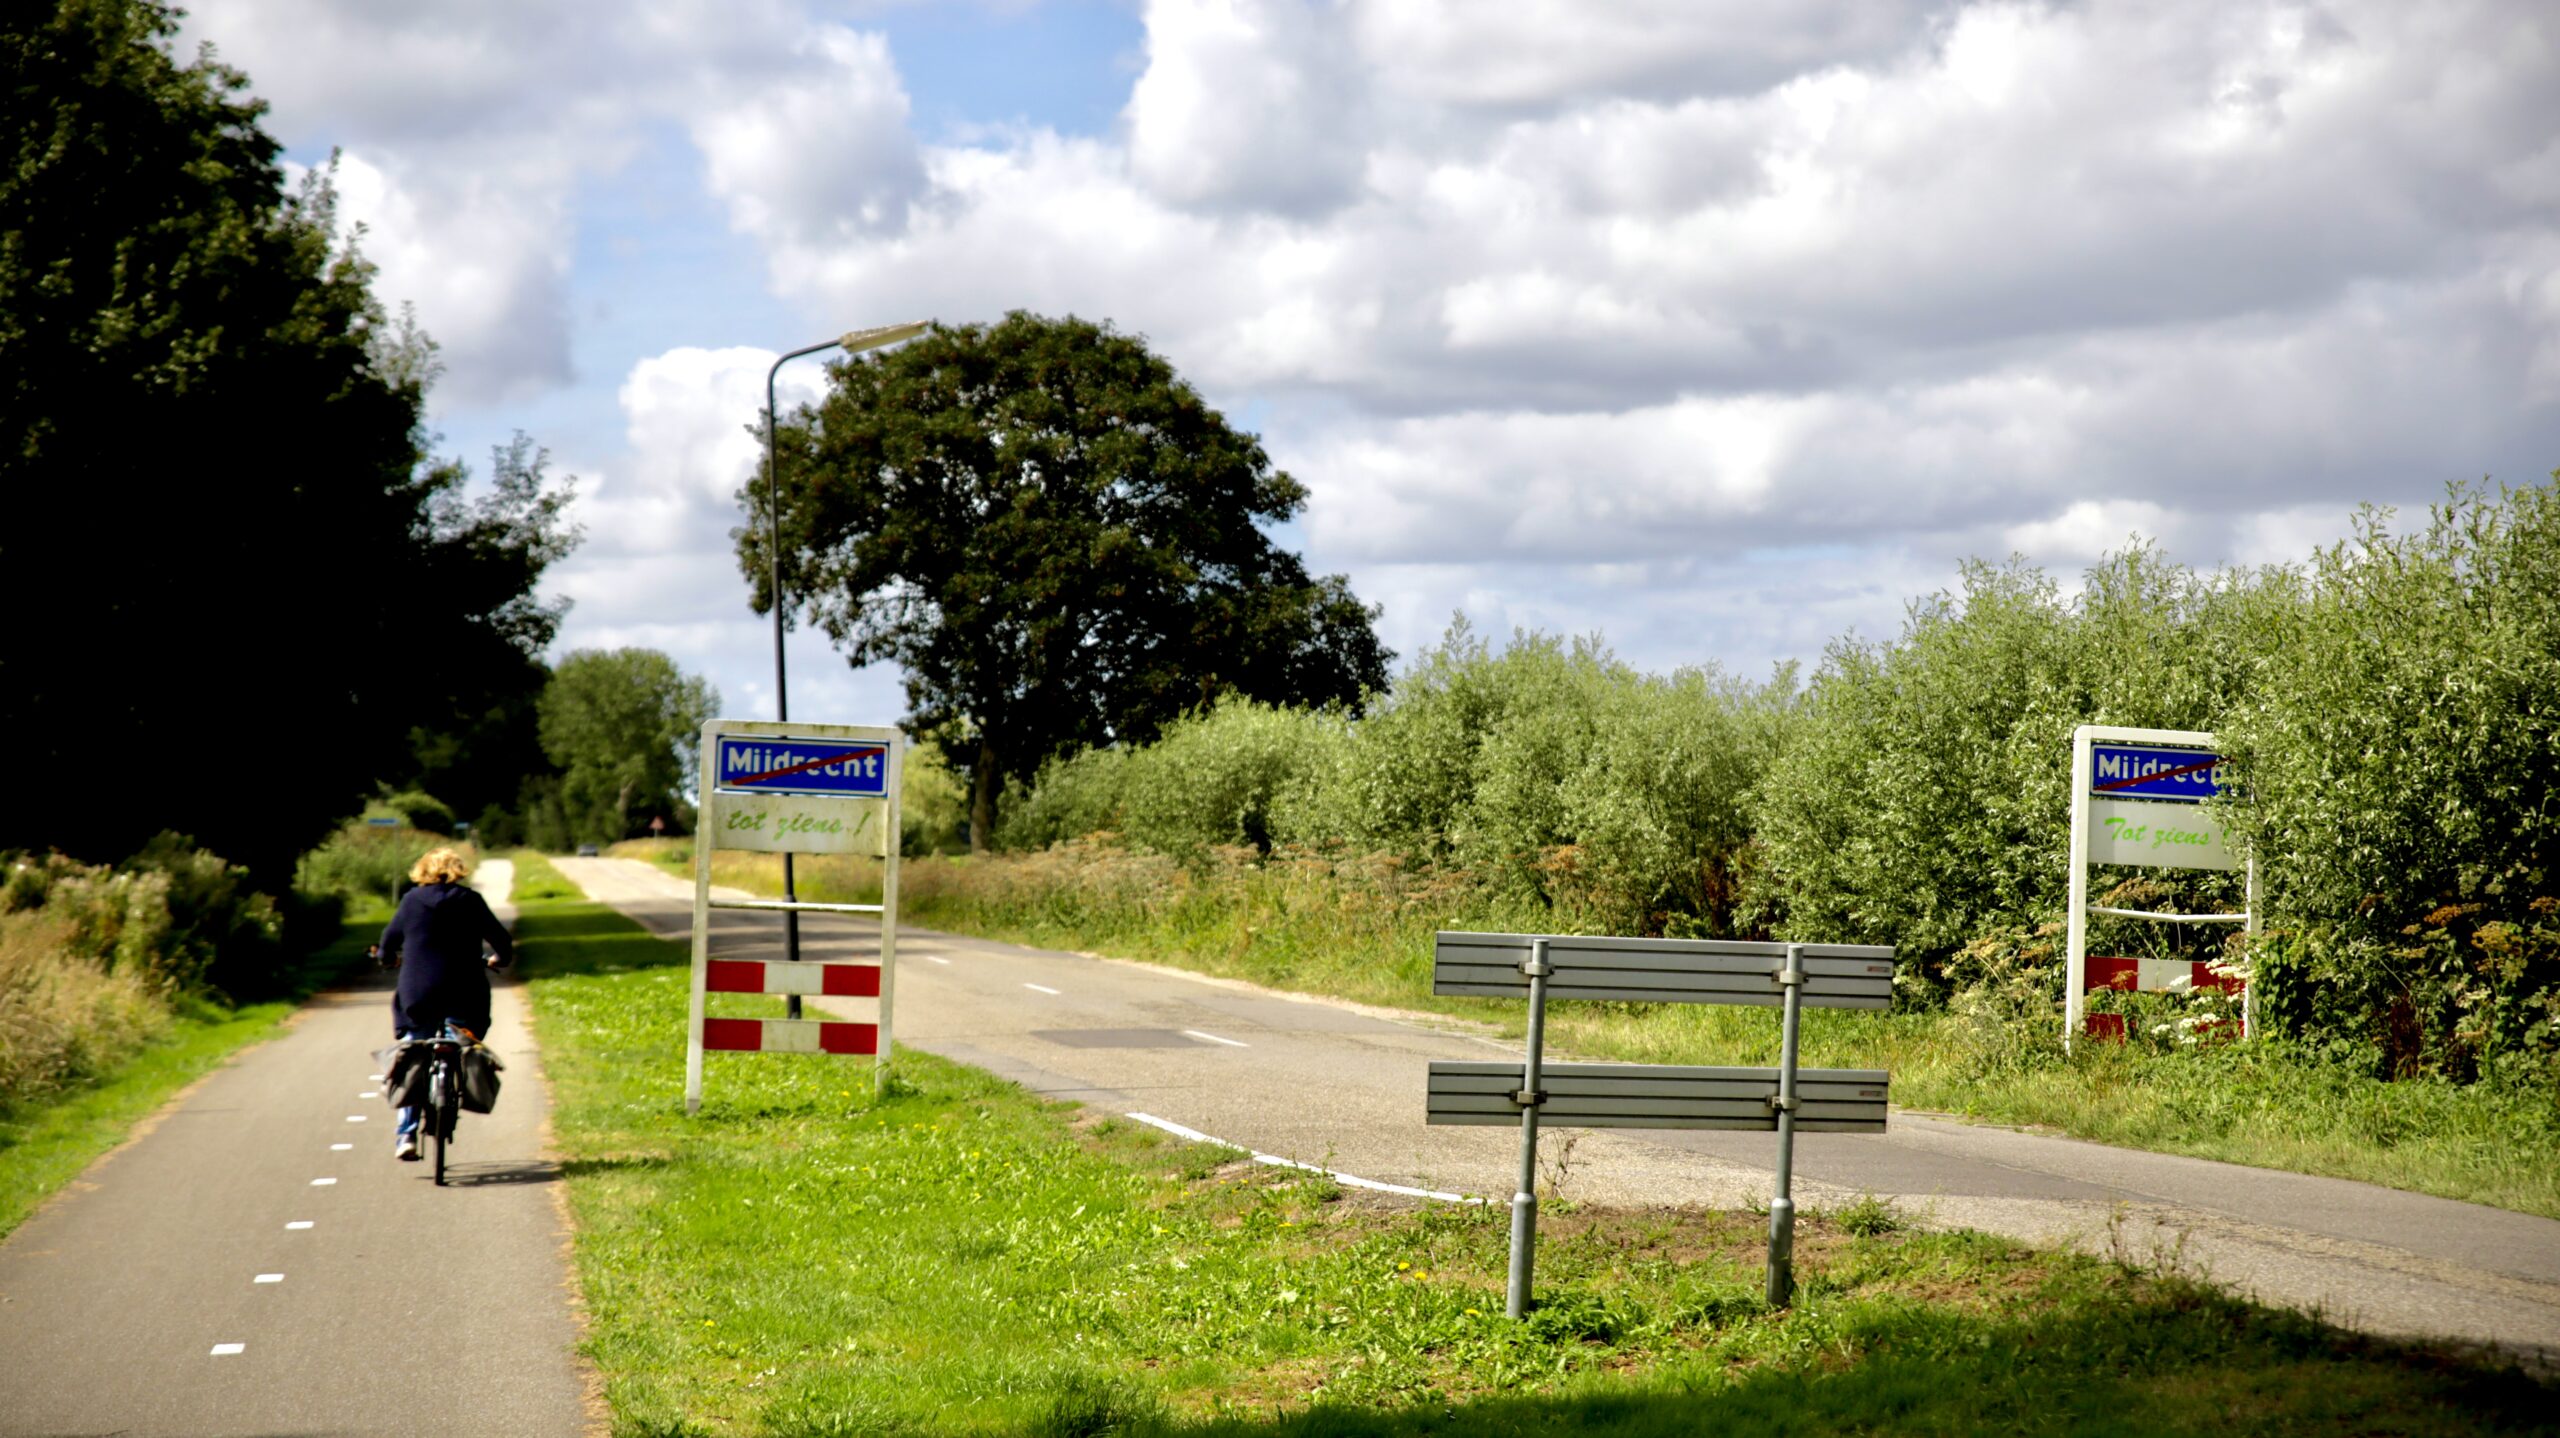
x=94 y=960
x=2394 y=706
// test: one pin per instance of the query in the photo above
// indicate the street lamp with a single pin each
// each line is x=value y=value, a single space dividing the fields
x=852 y=343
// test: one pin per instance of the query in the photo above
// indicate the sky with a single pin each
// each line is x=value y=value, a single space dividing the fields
x=1719 y=329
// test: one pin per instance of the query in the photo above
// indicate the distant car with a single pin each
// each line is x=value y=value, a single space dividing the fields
x=588 y=851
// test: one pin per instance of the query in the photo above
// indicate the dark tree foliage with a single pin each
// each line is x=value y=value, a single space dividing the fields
x=1056 y=540
x=230 y=586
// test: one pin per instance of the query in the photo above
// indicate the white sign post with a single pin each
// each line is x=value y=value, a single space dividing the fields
x=2137 y=798
x=795 y=789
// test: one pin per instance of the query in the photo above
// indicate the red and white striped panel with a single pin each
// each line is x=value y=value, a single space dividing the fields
x=781 y=976
x=2152 y=976
x=790 y=1036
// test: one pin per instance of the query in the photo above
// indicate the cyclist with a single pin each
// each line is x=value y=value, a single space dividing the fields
x=434 y=940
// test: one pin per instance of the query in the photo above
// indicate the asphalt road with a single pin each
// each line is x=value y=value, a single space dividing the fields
x=1341 y=1086
x=256 y=1262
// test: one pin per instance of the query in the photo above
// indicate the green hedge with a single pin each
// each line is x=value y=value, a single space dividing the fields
x=2394 y=706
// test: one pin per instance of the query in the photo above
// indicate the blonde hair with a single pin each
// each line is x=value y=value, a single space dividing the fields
x=439 y=866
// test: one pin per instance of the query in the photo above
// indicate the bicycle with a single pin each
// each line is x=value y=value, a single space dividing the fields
x=444 y=1088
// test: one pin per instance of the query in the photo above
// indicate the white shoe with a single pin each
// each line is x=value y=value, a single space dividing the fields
x=406 y=1148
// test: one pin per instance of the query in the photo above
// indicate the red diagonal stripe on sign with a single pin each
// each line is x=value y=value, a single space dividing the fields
x=2113 y=784
x=818 y=763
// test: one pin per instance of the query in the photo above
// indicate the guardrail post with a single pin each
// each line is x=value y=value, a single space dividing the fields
x=1782 y=1206
x=1524 y=1202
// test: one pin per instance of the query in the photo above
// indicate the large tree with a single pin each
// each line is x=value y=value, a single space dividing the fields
x=232 y=582
x=1056 y=539
x=622 y=725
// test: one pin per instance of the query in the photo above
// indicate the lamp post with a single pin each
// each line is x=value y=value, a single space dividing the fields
x=852 y=343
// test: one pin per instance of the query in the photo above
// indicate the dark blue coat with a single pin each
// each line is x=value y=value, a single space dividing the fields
x=435 y=938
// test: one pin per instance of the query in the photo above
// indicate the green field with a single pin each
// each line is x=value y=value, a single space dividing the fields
x=961 y=1257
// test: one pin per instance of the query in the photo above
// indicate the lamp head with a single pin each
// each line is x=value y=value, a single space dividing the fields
x=857 y=341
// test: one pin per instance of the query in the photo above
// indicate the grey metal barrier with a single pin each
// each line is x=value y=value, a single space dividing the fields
x=1540 y=967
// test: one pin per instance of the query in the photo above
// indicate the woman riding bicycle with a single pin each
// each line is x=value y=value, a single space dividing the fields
x=434 y=940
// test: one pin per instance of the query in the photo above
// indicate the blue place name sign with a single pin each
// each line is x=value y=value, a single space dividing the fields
x=846 y=769
x=2139 y=771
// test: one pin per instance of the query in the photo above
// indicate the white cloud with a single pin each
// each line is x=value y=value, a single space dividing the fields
x=1252 y=104
x=484 y=267
x=822 y=157
x=1599 y=315
x=689 y=416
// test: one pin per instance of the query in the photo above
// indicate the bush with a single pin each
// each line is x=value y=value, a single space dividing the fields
x=421 y=810
x=2401 y=743
x=1214 y=777
x=176 y=918
x=1072 y=798
x=364 y=859
x=222 y=934
x=1923 y=798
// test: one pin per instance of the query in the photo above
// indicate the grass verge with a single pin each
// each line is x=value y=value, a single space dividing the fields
x=962 y=1258
x=46 y=1142
x=1363 y=932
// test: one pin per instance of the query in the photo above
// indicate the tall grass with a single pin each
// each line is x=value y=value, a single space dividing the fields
x=66 y=1017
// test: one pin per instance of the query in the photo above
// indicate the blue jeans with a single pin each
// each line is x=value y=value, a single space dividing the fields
x=412 y=1118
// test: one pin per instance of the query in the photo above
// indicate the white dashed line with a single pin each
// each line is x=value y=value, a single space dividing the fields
x=1213 y=1038
x=370 y=1093
x=224 y=1350
x=299 y=1223
x=377 y=1078
x=270 y=1278
x=1044 y=988
x=931 y=959
x=340 y=1147
x=322 y=1182
x=357 y=1117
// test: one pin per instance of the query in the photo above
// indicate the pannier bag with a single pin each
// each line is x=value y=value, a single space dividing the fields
x=404 y=1075
x=480 y=1078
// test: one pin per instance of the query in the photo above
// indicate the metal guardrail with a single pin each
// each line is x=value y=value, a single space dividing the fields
x=1539 y=967
x=1657 y=1096
x=1677 y=971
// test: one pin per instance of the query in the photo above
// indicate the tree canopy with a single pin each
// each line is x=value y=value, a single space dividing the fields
x=1055 y=539
x=233 y=581
x=622 y=725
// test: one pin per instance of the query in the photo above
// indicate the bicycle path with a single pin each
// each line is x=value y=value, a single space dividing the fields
x=1340 y=1085
x=254 y=1261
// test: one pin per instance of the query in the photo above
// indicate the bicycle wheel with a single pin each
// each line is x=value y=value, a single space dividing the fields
x=440 y=1113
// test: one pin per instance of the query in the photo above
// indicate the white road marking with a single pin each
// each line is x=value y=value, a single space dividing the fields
x=1352 y=1180
x=270 y=1278
x=370 y=1093
x=377 y=1078
x=934 y=959
x=357 y=1117
x=221 y=1350
x=1044 y=988
x=322 y=1182
x=299 y=1223
x=1213 y=1038
x=340 y=1147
